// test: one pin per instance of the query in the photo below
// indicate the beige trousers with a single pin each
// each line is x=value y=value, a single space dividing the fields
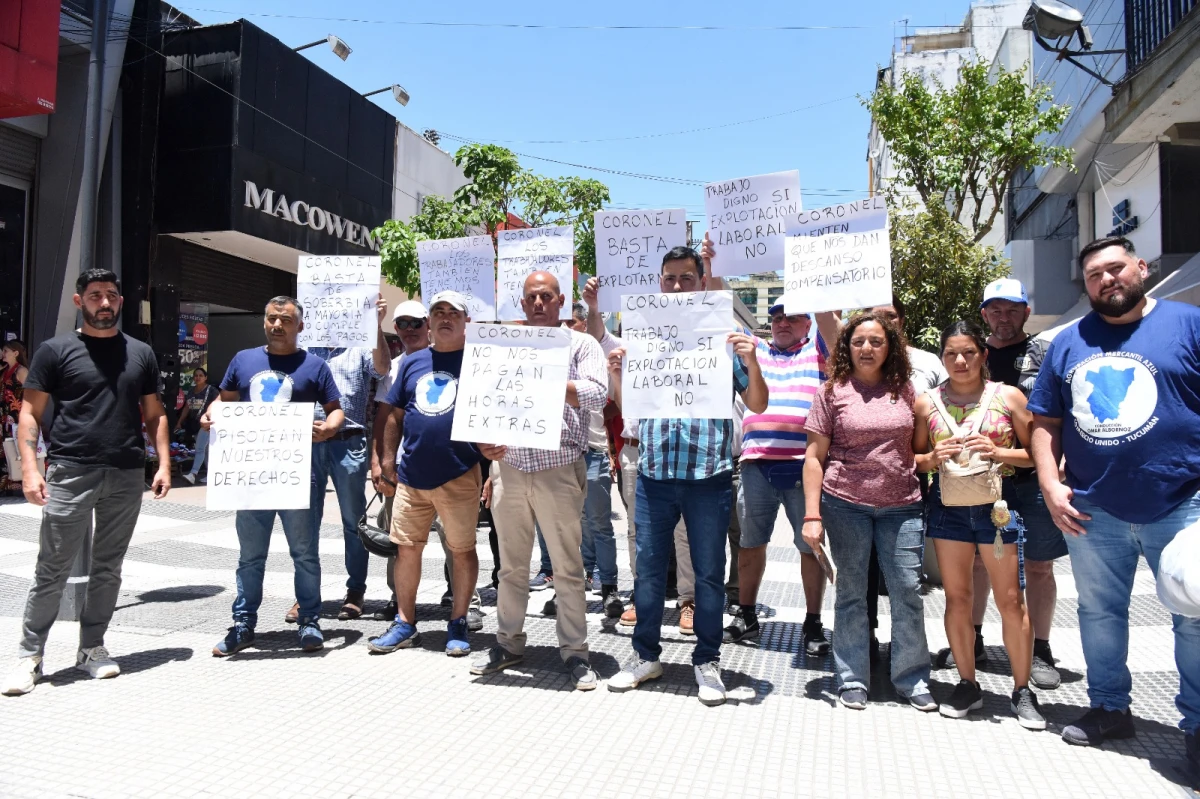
x=553 y=498
x=685 y=578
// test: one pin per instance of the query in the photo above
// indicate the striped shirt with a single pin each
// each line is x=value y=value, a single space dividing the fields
x=588 y=372
x=352 y=368
x=793 y=377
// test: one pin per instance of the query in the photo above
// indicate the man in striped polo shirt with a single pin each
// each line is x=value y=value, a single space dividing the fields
x=773 y=444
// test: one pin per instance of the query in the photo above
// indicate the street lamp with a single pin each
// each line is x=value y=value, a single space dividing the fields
x=339 y=47
x=398 y=92
x=1051 y=19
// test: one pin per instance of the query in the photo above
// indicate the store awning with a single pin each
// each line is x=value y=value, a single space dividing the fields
x=1077 y=312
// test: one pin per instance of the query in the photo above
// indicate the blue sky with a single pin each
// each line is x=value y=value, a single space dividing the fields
x=552 y=92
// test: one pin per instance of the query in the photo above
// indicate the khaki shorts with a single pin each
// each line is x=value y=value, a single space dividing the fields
x=456 y=503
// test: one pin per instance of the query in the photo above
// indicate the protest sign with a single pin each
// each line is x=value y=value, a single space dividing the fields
x=839 y=257
x=678 y=364
x=630 y=246
x=260 y=456
x=466 y=265
x=747 y=221
x=338 y=293
x=525 y=251
x=513 y=386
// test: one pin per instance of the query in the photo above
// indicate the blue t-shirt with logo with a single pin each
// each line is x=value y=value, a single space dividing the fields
x=425 y=389
x=258 y=376
x=1129 y=398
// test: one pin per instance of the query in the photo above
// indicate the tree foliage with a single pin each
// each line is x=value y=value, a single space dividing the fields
x=497 y=186
x=959 y=147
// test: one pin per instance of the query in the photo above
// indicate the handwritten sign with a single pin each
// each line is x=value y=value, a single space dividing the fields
x=260 y=456
x=839 y=257
x=338 y=293
x=677 y=362
x=466 y=265
x=523 y=252
x=747 y=221
x=513 y=386
x=630 y=246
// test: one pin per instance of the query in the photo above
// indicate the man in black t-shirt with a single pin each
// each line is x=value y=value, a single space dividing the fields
x=1013 y=357
x=103 y=385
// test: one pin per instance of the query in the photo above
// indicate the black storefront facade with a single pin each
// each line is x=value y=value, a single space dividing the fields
x=259 y=157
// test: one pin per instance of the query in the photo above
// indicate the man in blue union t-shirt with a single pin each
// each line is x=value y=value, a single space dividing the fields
x=278 y=372
x=1119 y=396
x=434 y=476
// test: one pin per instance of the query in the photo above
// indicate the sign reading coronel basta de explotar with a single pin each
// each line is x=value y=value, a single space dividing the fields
x=301 y=213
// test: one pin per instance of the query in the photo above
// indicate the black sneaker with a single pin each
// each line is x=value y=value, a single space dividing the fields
x=966 y=697
x=853 y=698
x=613 y=606
x=1043 y=674
x=448 y=598
x=923 y=702
x=740 y=632
x=1025 y=708
x=815 y=644
x=945 y=658
x=551 y=607
x=388 y=613
x=1099 y=725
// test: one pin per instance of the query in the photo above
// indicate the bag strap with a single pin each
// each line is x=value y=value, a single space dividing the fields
x=935 y=396
x=985 y=402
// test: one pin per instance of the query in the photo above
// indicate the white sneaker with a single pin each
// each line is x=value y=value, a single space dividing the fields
x=191 y=478
x=97 y=662
x=634 y=674
x=24 y=675
x=712 y=690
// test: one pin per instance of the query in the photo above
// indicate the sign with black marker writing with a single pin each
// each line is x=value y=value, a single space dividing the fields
x=513 y=386
x=747 y=221
x=338 y=293
x=466 y=265
x=630 y=246
x=522 y=252
x=260 y=456
x=678 y=364
x=838 y=257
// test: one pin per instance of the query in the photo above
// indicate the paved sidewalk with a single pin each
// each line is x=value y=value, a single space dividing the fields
x=273 y=721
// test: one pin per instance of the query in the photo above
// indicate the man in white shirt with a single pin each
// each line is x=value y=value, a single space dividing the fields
x=927 y=369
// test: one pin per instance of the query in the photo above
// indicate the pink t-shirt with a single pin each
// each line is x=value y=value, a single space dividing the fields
x=870 y=451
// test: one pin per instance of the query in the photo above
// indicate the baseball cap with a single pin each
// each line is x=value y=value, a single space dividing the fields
x=411 y=309
x=1004 y=289
x=451 y=298
x=781 y=305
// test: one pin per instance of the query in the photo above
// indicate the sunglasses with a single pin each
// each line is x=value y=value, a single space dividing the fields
x=406 y=324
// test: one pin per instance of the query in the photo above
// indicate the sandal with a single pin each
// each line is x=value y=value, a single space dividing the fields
x=352 y=606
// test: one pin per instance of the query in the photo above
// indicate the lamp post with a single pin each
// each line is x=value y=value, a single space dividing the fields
x=399 y=94
x=1051 y=19
x=338 y=46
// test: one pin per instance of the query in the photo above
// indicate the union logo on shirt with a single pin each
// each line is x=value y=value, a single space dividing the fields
x=271 y=386
x=435 y=393
x=1113 y=395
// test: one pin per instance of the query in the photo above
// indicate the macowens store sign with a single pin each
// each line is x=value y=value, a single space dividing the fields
x=301 y=213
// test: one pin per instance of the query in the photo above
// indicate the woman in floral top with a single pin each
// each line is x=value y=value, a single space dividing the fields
x=998 y=434
x=14 y=366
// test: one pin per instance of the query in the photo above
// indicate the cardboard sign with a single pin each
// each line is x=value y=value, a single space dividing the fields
x=466 y=265
x=260 y=456
x=523 y=252
x=513 y=386
x=339 y=293
x=630 y=246
x=747 y=221
x=678 y=364
x=839 y=257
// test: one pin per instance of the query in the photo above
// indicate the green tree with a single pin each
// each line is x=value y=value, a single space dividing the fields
x=498 y=185
x=958 y=149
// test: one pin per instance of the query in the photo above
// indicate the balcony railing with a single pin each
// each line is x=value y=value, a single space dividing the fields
x=1148 y=23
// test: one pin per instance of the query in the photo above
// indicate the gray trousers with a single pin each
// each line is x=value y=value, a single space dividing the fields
x=115 y=495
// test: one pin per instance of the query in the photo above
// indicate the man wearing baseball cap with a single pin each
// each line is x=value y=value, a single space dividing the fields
x=431 y=476
x=1011 y=358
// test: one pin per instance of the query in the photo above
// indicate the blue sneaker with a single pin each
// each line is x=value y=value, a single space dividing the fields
x=240 y=636
x=401 y=635
x=541 y=582
x=456 y=638
x=311 y=639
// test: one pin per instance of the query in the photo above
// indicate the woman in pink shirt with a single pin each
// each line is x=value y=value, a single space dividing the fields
x=860 y=472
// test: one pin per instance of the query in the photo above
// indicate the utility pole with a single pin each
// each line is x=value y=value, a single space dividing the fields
x=73 y=598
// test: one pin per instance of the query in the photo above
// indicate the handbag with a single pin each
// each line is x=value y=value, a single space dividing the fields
x=967 y=480
x=375 y=539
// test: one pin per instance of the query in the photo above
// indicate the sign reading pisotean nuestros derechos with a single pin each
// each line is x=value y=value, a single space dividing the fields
x=260 y=456
x=838 y=257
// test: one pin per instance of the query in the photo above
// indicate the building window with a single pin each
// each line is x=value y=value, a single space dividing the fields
x=773 y=294
x=748 y=296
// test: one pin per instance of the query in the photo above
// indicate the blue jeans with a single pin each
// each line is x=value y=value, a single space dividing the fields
x=346 y=462
x=1104 y=562
x=898 y=536
x=758 y=506
x=201 y=451
x=254 y=538
x=599 y=544
x=705 y=506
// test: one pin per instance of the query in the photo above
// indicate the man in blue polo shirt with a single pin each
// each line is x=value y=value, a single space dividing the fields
x=1119 y=396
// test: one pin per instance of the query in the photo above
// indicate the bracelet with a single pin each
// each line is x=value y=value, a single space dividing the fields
x=812 y=519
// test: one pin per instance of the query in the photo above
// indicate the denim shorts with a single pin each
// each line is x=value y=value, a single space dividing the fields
x=971 y=524
x=1043 y=540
